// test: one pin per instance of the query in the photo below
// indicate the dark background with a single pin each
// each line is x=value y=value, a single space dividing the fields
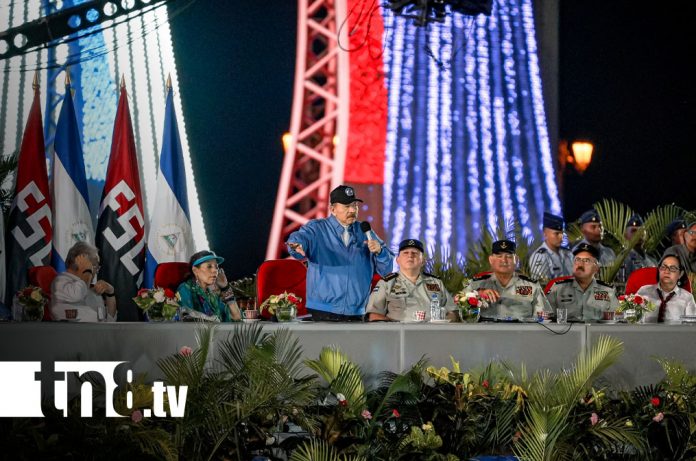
x=623 y=82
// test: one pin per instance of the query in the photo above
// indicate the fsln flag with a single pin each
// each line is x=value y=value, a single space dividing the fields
x=170 y=236
x=120 y=234
x=29 y=229
x=72 y=222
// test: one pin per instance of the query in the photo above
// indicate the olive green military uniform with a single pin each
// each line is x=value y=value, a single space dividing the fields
x=521 y=299
x=585 y=305
x=398 y=298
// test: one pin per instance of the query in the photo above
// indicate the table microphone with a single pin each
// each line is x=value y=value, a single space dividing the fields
x=367 y=229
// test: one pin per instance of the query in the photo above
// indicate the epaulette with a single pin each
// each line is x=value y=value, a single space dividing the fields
x=391 y=276
x=526 y=279
x=481 y=277
x=428 y=274
x=541 y=250
x=605 y=284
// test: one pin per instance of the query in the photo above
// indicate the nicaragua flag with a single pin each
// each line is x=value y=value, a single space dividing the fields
x=120 y=235
x=30 y=228
x=72 y=222
x=170 y=237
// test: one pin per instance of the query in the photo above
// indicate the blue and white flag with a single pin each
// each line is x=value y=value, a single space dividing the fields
x=170 y=237
x=72 y=222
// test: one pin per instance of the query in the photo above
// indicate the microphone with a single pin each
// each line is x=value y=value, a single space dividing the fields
x=367 y=229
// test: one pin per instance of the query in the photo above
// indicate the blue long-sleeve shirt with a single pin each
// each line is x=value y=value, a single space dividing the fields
x=339 y=276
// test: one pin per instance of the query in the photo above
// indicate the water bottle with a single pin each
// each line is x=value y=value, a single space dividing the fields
x=435 y=307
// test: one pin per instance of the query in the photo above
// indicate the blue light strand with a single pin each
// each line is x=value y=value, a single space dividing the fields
x=445 y=174
x=466 y=149
x=540 y=115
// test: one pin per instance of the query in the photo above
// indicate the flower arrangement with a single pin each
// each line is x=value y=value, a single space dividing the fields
x=283 y=306
x=470 y=304
x=158 y=303
x=32 y=299
x=634 y=307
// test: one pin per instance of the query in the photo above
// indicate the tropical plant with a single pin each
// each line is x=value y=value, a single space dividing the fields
x=366 y=423
x=245 y=287
x=480 y=409
x=448 y=267
x=255 y=390
x=477 y=256
x=556 y=424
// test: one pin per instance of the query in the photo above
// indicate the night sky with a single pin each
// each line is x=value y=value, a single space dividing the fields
x=624 y=84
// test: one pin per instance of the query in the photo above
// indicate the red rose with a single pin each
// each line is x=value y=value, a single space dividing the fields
x=293 y=299
x=343 y=403
x=27 y=292
x=142 y=291
x=655 y=401
x=473 y=302
x=638 y=300
x=169 y=293
x=486 y=383
x=622 y=298
x=396 y=413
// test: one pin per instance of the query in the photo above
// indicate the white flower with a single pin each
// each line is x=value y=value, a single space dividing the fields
x=471 y=294
x=159 y=296
x=340 y=397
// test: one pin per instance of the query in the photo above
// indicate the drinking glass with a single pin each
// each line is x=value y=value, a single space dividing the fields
x=562 y=315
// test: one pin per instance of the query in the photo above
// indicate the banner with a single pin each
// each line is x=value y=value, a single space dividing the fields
x=72 y=222
x=120 y=234
x=170 y=237
x=29 y=229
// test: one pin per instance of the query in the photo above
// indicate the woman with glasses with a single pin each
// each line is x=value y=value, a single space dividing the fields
x=671 y=301
x=206 y=295
x=77 y=294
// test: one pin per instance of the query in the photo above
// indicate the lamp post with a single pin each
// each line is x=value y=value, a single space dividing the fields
x=582 y=155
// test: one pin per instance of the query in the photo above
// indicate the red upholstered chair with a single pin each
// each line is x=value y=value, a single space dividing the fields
x=170 y=275
x=557 y=279
x=42 y=277
x=278 y=275
x=481 y=274
x=645 y=276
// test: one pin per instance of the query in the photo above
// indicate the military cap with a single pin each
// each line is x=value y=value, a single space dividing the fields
x=634 y=221
x=504 y=246
x=411 y=243
x=552 y=221
x=584 y=246
x=590 y=216
x=675 y=225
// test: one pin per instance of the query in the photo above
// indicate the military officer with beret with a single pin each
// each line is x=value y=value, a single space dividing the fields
x=583 y=295
x=593 y=231
x=512 y=296
x=551 y=260
x=400 y=294
x=637 y=257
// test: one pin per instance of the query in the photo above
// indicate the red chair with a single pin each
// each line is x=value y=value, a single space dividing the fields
x=170 y=275
x=645 y=276
x=552 y=281
x=481 y=274
x=278 y=275
x=42 y=277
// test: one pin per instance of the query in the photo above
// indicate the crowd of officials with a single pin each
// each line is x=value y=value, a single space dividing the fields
x=342 y=254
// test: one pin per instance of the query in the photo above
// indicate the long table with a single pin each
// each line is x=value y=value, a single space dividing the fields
x=375 y=346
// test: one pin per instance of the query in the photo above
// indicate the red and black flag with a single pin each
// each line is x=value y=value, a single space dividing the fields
x=29 y=229
x=120 y=234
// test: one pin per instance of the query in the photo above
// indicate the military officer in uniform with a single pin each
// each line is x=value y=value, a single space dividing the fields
x=584 y=296
x=400 y=294
x=593 y=231
x=511 y=296
x=551 y=260
x=637 y=257
x=675 y=231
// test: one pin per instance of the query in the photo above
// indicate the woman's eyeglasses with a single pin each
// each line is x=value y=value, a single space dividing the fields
x=672 y=269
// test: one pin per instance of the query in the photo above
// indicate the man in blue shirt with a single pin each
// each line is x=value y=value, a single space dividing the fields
x=341 y=259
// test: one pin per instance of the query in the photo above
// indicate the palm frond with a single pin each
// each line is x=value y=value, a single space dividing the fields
x=188 y=370
x=319 y=450
x=342 y=375
x=447 y=267
x=614 y=216
x=656 y=222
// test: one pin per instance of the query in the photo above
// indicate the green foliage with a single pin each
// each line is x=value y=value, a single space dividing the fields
x=477 y=256
x=552 y=424
x=447 y=267
x=244 y=287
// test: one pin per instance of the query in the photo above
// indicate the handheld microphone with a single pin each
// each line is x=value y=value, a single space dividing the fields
x=367 y=229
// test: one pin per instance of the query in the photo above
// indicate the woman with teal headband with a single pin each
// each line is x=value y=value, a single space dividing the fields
x=204 y=295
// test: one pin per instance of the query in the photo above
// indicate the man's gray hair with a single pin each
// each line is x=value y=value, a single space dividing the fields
x=81 y=248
